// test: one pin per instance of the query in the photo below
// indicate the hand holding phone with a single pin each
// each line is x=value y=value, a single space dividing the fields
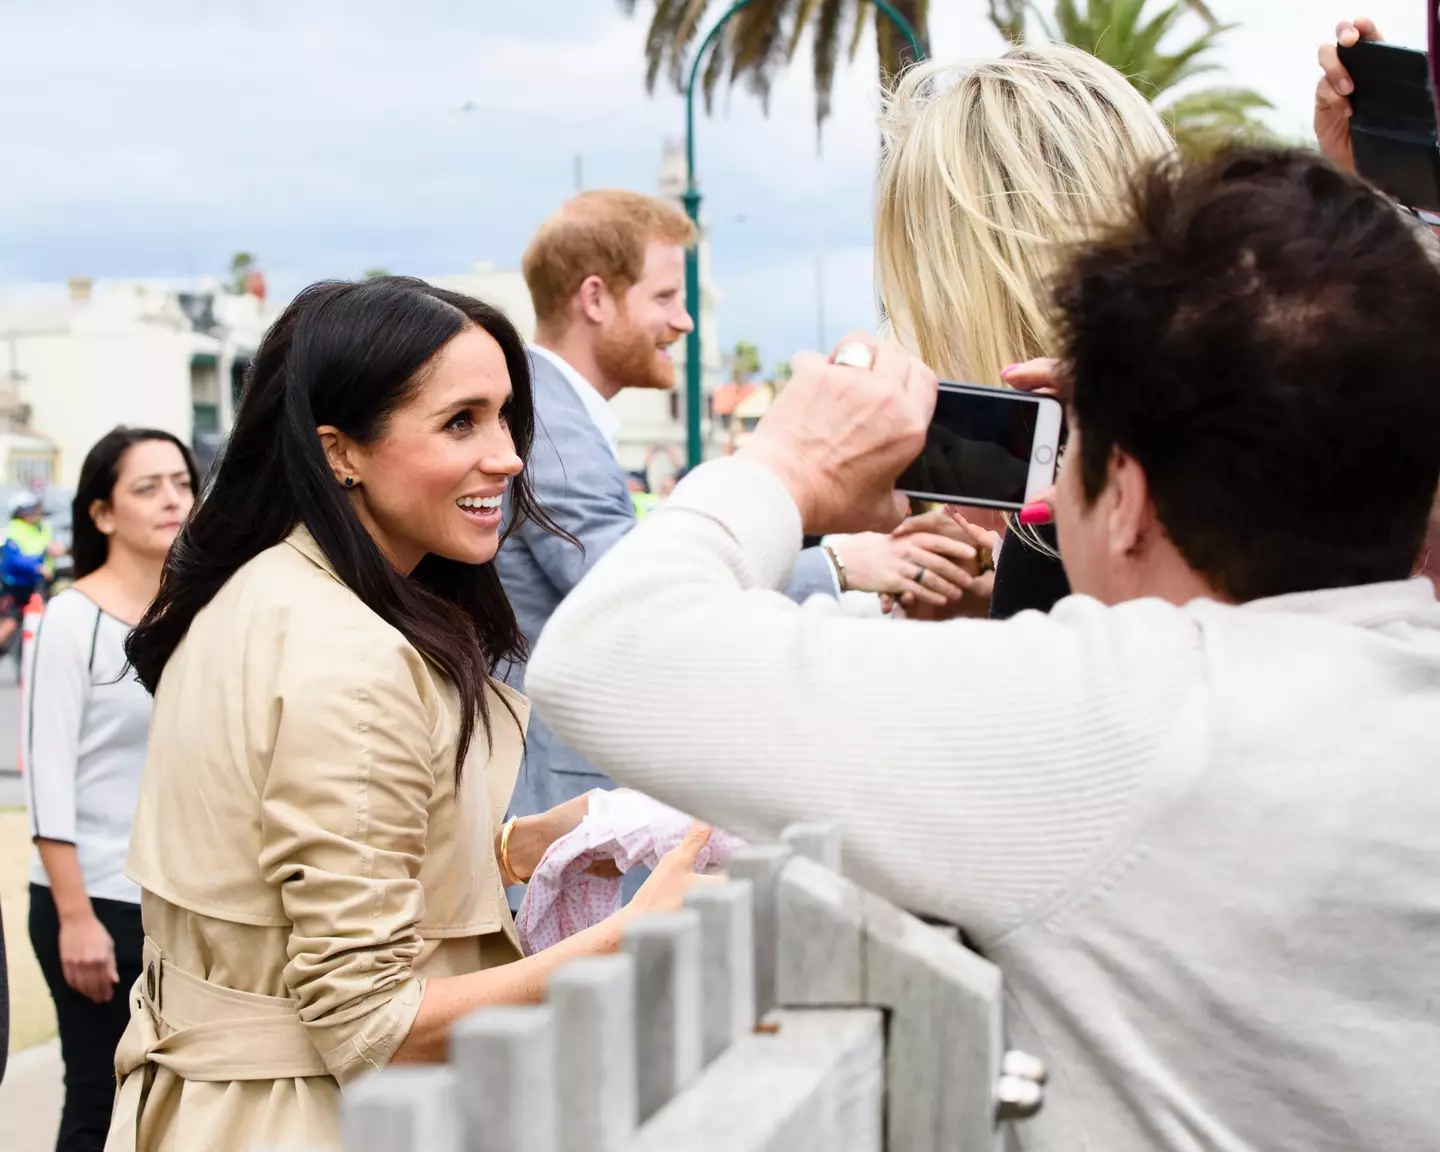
x=841 y=431
x=1392 y=121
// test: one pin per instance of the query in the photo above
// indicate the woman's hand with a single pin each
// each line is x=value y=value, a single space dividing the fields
x=951 y=523
x=673 y=877
x=87 y=957
x=1332 y=94
x=921 y=559
x=1040 y=376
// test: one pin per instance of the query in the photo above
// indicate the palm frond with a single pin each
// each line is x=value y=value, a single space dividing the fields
x=759 y=47
x=1211 y=119
x=826 y=49
x=1008 y=17
x=1227 y=104
x=1205 y=12
x=1166 y=71
x=1146 y=38
x=857 y=31
x=714 y=72
x=763 y=38
x=685 y=30
x=804 y=12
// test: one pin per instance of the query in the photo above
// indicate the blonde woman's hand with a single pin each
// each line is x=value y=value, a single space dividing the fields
x=925 y=563
x=1040 y=376
x=665 y=888
x=1332 y=94
x=981 y=587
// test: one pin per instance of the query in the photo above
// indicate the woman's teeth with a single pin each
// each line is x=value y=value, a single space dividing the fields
x=479 y=503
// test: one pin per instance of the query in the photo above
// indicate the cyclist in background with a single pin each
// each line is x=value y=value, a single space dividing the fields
x=27 y=563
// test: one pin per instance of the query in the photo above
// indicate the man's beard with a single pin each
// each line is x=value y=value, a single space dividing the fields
x=627 y=355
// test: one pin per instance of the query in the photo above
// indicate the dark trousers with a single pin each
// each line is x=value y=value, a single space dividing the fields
x=89 y=1032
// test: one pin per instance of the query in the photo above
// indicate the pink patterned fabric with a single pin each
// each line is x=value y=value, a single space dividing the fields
x=634 y=831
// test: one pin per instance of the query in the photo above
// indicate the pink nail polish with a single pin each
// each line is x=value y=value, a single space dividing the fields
x=1037 y=513
x=1009 y=368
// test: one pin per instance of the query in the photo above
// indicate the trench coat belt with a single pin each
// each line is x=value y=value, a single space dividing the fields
x=202 y=1031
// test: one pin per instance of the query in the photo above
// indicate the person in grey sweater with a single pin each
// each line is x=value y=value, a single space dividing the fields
x=1192 y=813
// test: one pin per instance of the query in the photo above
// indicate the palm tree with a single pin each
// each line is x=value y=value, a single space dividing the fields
x=1118 y=32
x=242 y=264
x=1008 y=16
x=763 y=39
x=744 y=362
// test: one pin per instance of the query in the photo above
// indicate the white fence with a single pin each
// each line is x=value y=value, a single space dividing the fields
x=789 y=1011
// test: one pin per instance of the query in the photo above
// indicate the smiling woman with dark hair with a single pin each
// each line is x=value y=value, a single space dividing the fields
x=318 y=839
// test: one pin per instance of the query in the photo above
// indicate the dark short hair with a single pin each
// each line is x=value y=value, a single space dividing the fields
x=89 y=547
x=1262 y=335
x=349 y=355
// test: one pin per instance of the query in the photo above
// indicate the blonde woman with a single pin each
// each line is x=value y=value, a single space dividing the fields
x=991 y=170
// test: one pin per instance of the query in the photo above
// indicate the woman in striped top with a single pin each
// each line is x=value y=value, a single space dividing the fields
x=84 y=727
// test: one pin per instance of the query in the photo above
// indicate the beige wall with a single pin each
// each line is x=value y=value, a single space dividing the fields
x=80 y=385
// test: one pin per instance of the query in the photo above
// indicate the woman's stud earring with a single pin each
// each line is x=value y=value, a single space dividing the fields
x=349 y=481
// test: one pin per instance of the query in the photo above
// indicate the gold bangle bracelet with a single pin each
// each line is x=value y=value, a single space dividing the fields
x=507 y=872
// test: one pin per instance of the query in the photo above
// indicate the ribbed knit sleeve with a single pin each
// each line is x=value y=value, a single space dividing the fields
x=978 y=769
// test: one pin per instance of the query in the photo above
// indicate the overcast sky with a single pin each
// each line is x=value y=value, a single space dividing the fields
x=156 y=137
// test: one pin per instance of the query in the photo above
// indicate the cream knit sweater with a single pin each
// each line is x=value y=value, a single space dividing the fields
x=1202 y=843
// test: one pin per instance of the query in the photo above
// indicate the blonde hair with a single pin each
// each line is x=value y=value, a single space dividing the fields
x=990 y=171
x=600 y=233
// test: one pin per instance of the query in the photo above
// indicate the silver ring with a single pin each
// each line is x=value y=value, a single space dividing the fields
x=920 y=574
x=855 y=354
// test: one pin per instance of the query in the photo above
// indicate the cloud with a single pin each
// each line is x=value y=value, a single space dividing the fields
x=793 y=312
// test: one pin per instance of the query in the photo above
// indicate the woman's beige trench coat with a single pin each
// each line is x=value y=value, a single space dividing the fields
x=306 y=861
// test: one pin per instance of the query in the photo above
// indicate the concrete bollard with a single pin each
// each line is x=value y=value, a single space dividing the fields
x=761 y=865
x=669 y=1039
x=402 y=1110
x=504 y=1061
x=817 y=842
x=727 y=963
x=594 y=1005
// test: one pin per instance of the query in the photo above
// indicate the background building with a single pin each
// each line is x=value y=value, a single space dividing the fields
x=78 y=359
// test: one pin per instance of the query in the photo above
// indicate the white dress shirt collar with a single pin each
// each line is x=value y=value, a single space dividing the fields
x=596 y=405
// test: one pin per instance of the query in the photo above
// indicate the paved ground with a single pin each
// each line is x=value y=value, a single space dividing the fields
x=30 y=1099
x=32 y=1091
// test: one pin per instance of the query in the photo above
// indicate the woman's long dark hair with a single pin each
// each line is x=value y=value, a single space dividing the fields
x=348 y=355
x=89 y=547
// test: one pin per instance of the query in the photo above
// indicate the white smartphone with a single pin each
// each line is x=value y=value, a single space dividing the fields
x=991 y=447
